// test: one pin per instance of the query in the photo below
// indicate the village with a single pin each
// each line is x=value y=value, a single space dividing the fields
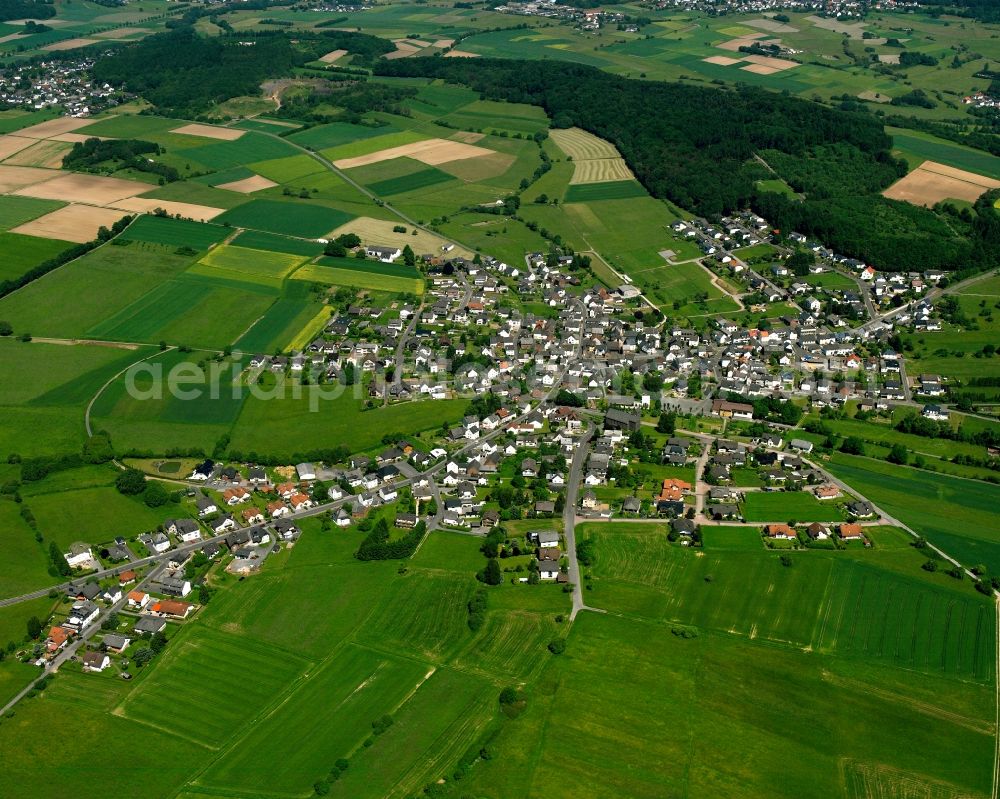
x=585 y=411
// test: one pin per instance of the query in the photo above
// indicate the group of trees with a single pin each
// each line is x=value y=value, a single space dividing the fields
x=378 y=546
x=126 y=153
x=132 y=482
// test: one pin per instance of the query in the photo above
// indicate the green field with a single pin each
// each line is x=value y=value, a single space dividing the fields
x=362 y=274
x=335 y=134
x=611 y=190
x=945 y=152
x=413 y=182
x=783 y=506
x=291 y=218
x=259 y=240
x=262 y=267
x=174 y=232
x=954 y=513
x=21 y=253
x=16 y=211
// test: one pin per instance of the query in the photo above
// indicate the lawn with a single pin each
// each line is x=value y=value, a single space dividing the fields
x=293 y=217
x=783 y=506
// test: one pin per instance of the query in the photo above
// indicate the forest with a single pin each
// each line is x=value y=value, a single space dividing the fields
x=696 y=146
x=26 y=9
x=184 y=74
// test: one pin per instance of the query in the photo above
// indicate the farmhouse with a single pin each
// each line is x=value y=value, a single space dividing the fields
x=384 y=254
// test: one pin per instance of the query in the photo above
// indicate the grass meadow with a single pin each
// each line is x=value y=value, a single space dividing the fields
x=778 y=506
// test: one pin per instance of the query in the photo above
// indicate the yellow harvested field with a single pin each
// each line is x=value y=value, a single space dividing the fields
x=601 y=170
x=330 y=57
x=722 y=60
x=774 y=63
x=770 y=25
x=594 y=159
x=146 y=205
x=429 y=151
x=73 y=138
x=47 y=154
x=53 y=127
x=760 y=69
x=77 y=223
x=122 y=33
x=69 y=44
x=91 y=189
x=443 y=43
x=460 y=54
x=578 y=144
x=15 y=177
x=932 y=182
x=12 y=144
x=380 y=231
x=248 y=185
x=401 y=53
x=743 y=41
x=209 y=132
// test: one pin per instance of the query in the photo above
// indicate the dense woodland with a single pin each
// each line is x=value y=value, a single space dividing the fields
x=696 y=146
x=26 y=9
x=185 y=74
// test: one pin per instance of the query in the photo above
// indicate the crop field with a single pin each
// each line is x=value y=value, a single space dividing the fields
x=424 y=613
x=16 y=211
x=71 y=300
x=277 y=326
x=197 y=661
x=859 y=609
x=931 y=148
x=362 y=274
x=613 y=189
x=259 y=240
x=288 y=425
x=953 y=513
x=174 y=232
x=749 y=706
x=248 y=149
x=783 y=506
x=21 y=253
x=190 y=311
x=292 y=218
x=262 y=267
x=353 y=688
x=412 y=182
x=932 y=182
x=335 y=134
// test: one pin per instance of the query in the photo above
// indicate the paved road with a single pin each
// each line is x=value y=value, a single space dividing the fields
x=569 y=518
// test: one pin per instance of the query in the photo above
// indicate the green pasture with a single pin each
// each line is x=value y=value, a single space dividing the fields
x=260 y=240
x=335 y=134
x=946 y=152
x=263 y=267
x=362 y=274
x=412 y=182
